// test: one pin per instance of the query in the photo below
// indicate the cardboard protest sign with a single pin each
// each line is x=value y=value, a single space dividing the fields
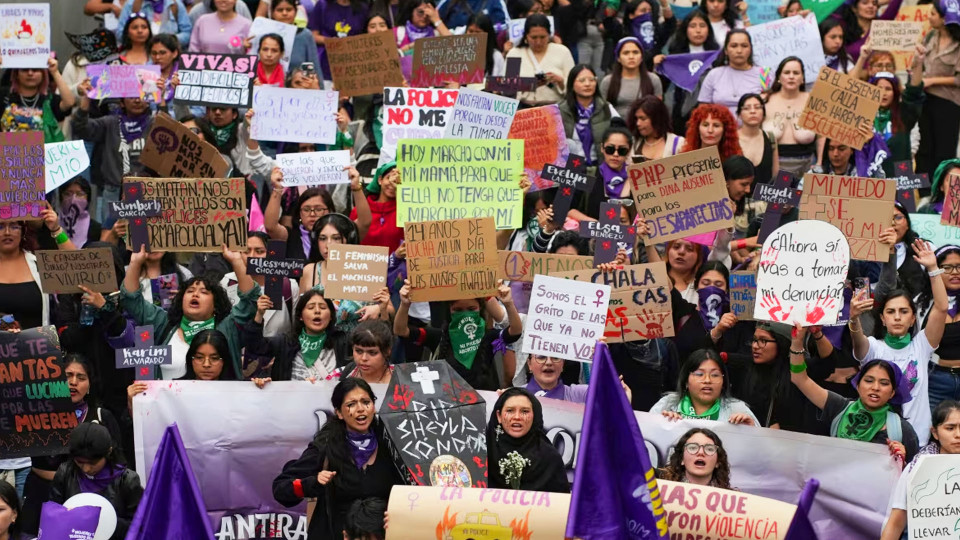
x=460 y=58
x=682 y=195
x=294 y=115
x=36 y=414
x=476 y=513
x=743 y=294
x=262 y=26
x=511 y=82
x=764 y=11
x=565 y=318
x=364 y=64
x=435 y=426
x=314 y=168
x=524 y=265
x=801 y=275
x=216 y=80
x=144 y=355
x=172 y=150
x=123 y=81
x=452 y=259
x=639 y=301
x=199 y=214
x=838 y=105
x=709 y=512
x=545 y=141
x=456 y=179
x=480 y=115
x=608 y=234
x=136 y=209
x=932 y=497
x=413 y=113
x=355 y=272
x=793 y=36
x=275 y=267
x=895 y=35
x=63 y=161
x=62 y=271
x=919 y=14
x=96 y=46
x=22 y=176
x=861 y=208
x=929 y=228
x=951 y=201
x=164 y=289
x=25 y=35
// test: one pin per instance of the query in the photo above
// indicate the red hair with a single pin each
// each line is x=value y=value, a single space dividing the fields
x=729 y=143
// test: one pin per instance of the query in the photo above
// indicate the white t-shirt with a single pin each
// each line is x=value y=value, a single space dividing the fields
x=912 y=361
x=721 y=29
x=178 y=354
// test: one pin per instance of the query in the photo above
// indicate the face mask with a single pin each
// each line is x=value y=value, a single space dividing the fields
x=713 y=303
x=74 y=200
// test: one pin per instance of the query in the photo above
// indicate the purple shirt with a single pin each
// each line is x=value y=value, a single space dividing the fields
x=576 y=393
x=207 y=36
x=724 y=85
x=333 y=20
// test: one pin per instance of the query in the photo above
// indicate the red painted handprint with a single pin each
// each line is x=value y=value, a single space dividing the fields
x=771 y=303
x=819 y=309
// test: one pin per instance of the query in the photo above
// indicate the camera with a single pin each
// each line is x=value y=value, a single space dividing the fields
x=308 y=69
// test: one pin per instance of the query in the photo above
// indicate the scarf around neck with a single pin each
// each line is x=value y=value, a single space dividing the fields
x=833 y=61
x=362 y=446
x=612 y=180
x=222 y=134
x=954 y=302
x=557 y=392
x=897 y=343
x=192 y=328
x=859 y=424
x=133 y=127
x=686 y=408
x=882 y=125
x=100 y=481
x=274 y=79
x=310 y=347
x=414 y=33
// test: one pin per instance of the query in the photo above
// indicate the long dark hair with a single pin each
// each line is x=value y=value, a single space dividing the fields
x=275 y=37
x=310 y=193
x=169 y=42
x=405 y=12
x=896 y=121
x=693 y=362
x=298 y=314
x=8 y=493
x=729 y=14
x=483 y=22
x=766 y=383
x=826 y=26
x=940 y=414
x=373 y=333
x=222 y=346
x=879 y=331
x=656 y=111
x=722 y=59
x=533 y=21
x=711 y=266
x=93 y=378
x=126 y=43
x=571 y=96
x=952 y=29
x=347 y=229
x=221 y=302
x=738 y=168
x=675 y=471
x=776 y=86
x=851 y=26
x=616 y=77
x=679 y=44
x=889 y=368
x=333 y=435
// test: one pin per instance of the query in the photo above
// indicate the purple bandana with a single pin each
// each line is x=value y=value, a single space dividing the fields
x=362 y=446
x=833 y=61
x=99 y=482
x=414 y=33
x=612 y=180
x=642 y=27
x=557 y=392
x=954 y=298
x=712 y=302
x=75 y=219
x=870 y=159
x=305 y=240
x=951 y=11
x=132 y=127
x=583 y=129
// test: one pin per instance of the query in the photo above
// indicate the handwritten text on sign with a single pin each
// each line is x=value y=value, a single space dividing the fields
x=61 y=272
x=450 y=260
x=895 y=35
x=838 y=105
x=456 y=179
x=951 y=201
x=459 y=58
x=364 y=64
x=932 y=497
x=743 y=294
x=123 y=81
x=803 y=266
x=314 y=168
x=294 y=115
x=525 y=265
x=545 y=141
x=413 y=113
x=682 y=195
x=793 y=36
x=709 y=512
x=861 y=208
x=480 y=115
x=63 y=161
x=216 y=79
x=355 y=272
x=25 y=36
x=565 y=318
x=172 y=150
x=21 y=175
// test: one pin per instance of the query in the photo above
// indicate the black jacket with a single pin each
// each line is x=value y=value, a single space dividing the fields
x=283 y=348
x=124 y=493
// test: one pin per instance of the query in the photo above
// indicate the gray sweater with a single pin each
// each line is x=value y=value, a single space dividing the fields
x=119 y=158
x=629 y=92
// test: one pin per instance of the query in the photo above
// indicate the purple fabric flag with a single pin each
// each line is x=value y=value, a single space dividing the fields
x=685 y=70
x=172 y=506
x=615 y=494
x=800 y=526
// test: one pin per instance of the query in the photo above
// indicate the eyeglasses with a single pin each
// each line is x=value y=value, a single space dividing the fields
x=951 y=268
x=760 y=341
x=204 y=360
x=704 y=375
x=899 y=217
x=12 y=227
x=610 y=149
x=586 y=79
x=314 y=210
x=138 y=15
x=708 y=449
x=544 y=359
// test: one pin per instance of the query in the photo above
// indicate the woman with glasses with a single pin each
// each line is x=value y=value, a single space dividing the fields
x=651 y=129
x=699 y=458
x=546 y=381
x=586 y=115
x=548 y=62
x=703 y=391
x=165 y=52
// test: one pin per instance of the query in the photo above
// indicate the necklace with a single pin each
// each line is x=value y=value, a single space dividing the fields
x=30 y=102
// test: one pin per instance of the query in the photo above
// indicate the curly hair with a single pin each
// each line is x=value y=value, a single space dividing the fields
x=221 y=302
x=675 y=471
x=729 y=143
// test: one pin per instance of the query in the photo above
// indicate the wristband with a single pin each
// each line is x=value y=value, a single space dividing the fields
x=61 y=238
x=298 y=488
x=437 y=23
x=817 y=338
x=936 y=272
x=742 y=243
x=800 y=352
x=798 y=368
x=53 y=234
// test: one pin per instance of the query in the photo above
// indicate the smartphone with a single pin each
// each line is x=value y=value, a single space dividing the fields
x=861 y=288
x=307 y=68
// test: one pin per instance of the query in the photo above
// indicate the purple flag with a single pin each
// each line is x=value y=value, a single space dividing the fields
x=685 y=70
x=172 y=506
x=615 y=494
x=800 y=526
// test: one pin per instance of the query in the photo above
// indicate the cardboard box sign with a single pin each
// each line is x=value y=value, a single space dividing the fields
x=435 y=426
x=172 y=150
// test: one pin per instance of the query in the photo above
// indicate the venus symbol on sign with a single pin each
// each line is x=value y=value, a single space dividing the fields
x=425 y=376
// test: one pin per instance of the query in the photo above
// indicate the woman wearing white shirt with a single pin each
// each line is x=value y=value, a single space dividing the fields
x=549 y=62
x=723 y=17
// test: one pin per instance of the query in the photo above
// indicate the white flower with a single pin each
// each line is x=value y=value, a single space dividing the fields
x=511 y=468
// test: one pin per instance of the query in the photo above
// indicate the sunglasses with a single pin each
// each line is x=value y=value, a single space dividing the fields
x=621 y=151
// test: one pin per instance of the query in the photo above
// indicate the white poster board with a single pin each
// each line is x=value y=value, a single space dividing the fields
x=314 y=168
x=932 y=490
x=294 y=115
x=25 y=35
x=63 y=161
x=262 y=26
x=413 y=113
x=565 y=318
x=480 y=115
x=793 y=36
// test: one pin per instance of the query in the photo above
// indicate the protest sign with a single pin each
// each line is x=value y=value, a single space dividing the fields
x=895 y=35
x=294 y=115
x=928 y=227
x=123 y=81
x=932 y=497
x=25 y=35
x=861 y=208
x=135 y=209
x=275 y=267
x=164 y=289
x=62 y=271
x=685 y=70
x=456 y=179
x=511 y=82
x=22 y=176
x=314 y=168
x=198 y=214
x=435 y=425
x=682 y=195
x=763 y=11
x=570 y=179
x=355 y=272
x=36 y=414
x=801 y=274
x=781 y=197
x=908 y=184
x=96 y=46
x=413 y=113
x=951 y=201
x=459 y=58
x=545 y=141
x=364 y=64
x=839 y=105
x=144 y=355
x=216 y=80
x=919 y=14
x=524 y=265
x=710 y=512
x=172 y=150
x=262 y=26
x=515 y=28
x=608 y=234
x=793 y=36
x=743 y=294
x=452 y=259
x=565 y=318
x=63 y=161
x=480 y=115
x=639 y=300
x=454 y=512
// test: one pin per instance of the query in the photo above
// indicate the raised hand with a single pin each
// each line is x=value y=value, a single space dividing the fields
x=405 y=292
x=925 y=254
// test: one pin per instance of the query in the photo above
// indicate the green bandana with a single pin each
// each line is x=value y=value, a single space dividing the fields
x=310 y=347
x=897 y=342
x=686 y=408
x=859 y=424
x=881 y=120
x=191 y=328
x=466 y=330
x=222 y=134
x=533 y=230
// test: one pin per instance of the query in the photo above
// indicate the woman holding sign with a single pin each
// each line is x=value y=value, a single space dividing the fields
x=857 y=16
x=38 y=100
x=943 y=373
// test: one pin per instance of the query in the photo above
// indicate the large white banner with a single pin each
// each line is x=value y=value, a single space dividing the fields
x=239 y=437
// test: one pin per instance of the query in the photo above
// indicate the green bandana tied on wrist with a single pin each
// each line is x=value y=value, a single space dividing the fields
x=859 y=424
x=686 y=409
x=310 y=347
x=895 y=342
x=191 y=328
x=467 y=329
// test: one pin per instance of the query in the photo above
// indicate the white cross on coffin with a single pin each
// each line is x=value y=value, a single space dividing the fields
x=425 y=377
